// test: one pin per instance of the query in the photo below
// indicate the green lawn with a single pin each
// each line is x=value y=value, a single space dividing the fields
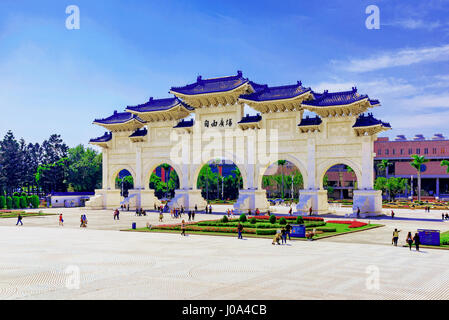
x=24 y=214
x=250 y=230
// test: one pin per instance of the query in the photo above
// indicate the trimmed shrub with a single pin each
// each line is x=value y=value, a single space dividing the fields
x=15 y=202
x=266 y=231
x=2 y=202
x=8 y=203
x=253 y=220
x=272 y=218
x=243 y=217
x=299 y=220
x=225 y=219
x=315 y=224
x=23 y=202
x=282 y=221
x=326 y=229
x=16 y=194
x=35 y=201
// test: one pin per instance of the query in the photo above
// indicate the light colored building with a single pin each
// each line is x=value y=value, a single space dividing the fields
x=69 y=199
x=155 y=132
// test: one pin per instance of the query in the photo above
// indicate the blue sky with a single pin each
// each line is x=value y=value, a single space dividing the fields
x=54 y=80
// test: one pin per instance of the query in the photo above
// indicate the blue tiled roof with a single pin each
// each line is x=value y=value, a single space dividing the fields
x=369 y=120
x=119 y=117
x=374 y=102
x=249 y=119
x=104 y=138
x=139 y=133
x=185 y=123
x=212 y=85
x=59 y=194
x=310 y=121
x=335 y=98
x=275 y=93
x=159 y=105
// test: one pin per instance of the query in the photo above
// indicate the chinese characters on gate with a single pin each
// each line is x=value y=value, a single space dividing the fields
x=215 y=123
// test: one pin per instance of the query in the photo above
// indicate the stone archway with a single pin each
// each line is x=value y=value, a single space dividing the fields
x=298 y=163
x=324 y=166
x=116 y=170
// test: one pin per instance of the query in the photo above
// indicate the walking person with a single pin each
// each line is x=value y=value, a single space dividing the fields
x=193 y=215
x=240 y=230
x=61 y=220
x=183 y=228
x=417 y=241
x=409 y=240
x=161 y=216
x=290 y=211
x=392 y=214
x=395 y=237
x=288 y=228
x=210 y=209
x=310 y=211
x=190 y=214
x=19 y=219
x=358 y=212
x=81 y=221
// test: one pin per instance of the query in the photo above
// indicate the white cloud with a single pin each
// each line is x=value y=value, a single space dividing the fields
x=419 y=120
x=402 y=57
x=414 y=24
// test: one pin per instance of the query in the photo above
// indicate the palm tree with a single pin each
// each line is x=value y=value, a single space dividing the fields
x=383 y=165
x=267 y=182
x=282 y=163
x=417 y=162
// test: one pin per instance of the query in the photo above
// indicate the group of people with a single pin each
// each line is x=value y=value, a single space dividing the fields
x=281 y=235
x=124 y=207
x=427 y=209
x=83 y=221
x=445 y=216
x=409 y=239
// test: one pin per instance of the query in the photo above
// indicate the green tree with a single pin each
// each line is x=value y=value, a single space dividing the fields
x=396 y=186
x=380 y=184
x=10 y=162
x=417 y=163
x=282 y=164
x=446 y=164
x=383 y=165
x=84 y=169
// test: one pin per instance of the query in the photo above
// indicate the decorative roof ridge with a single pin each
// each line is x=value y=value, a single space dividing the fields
x=200 y=80
x=248 y=118
x=118 y=114
x=139 y=133
x=185 y=123
x=369 y=120
x=104 y=138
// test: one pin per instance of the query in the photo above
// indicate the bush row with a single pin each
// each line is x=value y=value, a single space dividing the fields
x=19 y=202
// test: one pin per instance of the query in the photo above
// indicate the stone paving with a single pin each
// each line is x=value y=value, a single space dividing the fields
x=37 y=260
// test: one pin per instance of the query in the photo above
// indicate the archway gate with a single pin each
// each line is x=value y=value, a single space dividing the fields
x=156 y=132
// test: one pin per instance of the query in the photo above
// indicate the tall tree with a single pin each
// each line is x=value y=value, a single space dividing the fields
x=383 y=166
x=282 y=164
x=10 y=162
x=84 y=168
x=417 y=163
x=446 y=164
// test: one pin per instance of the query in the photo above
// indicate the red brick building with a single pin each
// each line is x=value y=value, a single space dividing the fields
x=435 y=179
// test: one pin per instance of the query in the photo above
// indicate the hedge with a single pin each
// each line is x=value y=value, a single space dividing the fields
x=266 y=231
x=2 y=202
x=8 y=203
x=327 y=229
x=23 y=202
x=16 y=202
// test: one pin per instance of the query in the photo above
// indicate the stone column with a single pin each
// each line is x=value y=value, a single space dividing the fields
x=105 y=168
x=312 y=196
x=368 y=200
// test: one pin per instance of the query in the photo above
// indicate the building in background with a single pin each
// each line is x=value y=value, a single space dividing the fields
x=434 y=178
x=69 y=199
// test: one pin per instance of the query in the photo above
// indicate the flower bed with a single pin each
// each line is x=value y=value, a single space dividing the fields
x=291 y=218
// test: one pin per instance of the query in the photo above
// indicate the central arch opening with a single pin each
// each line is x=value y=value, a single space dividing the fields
x=220 y=181
x=340 y=181
x=282 y=181
x=164 y=180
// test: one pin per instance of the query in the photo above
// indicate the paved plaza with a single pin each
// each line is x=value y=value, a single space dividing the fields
x=39 y=259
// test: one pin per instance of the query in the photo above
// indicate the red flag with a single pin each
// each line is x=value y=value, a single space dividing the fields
x=162 y=174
